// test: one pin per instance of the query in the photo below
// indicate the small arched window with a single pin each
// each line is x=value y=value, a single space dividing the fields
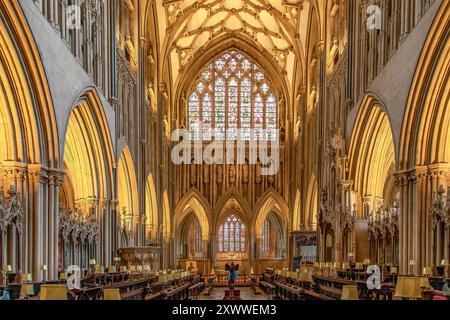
x=231 y=97
x=231 y=236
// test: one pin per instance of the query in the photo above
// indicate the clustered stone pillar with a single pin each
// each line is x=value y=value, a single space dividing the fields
x=419 y=218
x=38 y=192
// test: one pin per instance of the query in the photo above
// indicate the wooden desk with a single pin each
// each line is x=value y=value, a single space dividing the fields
x=331 y=288
x=287 y=291
x=176 y=293
x=292 y=292
x=195 y=290
x=153 y=296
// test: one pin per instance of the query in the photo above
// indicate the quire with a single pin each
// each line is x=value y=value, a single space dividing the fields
x=339 y=191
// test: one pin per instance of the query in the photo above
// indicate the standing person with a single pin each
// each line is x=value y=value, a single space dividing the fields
x=232 y=275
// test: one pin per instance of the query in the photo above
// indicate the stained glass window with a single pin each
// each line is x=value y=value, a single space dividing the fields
x=246 y=108
x=219 y=108
x=232 y=93
x=233 y=101
x=221 y=239
x=231 y=236
x=258 y=115
x=197 y=236
x=194 y=110
x=265 y=244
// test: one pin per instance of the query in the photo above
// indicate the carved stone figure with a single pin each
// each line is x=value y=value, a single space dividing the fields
x=193 y=174
x=150 y=58
x=166 y=127
x=298 y=127
x=151 y=98
x=129 y=48
x=245 y=173
x=219 y=172
x=258 y=178
x=232 y=173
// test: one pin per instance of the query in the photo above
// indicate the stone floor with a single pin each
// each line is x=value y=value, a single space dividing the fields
x=246 y=294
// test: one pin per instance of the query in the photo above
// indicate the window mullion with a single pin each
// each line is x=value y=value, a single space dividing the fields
x=264 y=124
x=252 y=100
x=213 y=101
x=227 y=97
x=200 y=107
x=238 y=120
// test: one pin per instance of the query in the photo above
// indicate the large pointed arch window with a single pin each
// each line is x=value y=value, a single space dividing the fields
x=231 y=97
x=232 y=235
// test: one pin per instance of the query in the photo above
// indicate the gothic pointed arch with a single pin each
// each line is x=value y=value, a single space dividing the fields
x=151 y=211
x=371 y=154
x=425 y=135
x=273 y=27
x=195 y=203
x=297 y=212
x=167 y=217
x=88 y=150
x=232 y=200
x=127 y=194
x=424 y=166
x=87 y=190
x=29 y=127
x=311 y=205
x=270 y=202
x=220 y=46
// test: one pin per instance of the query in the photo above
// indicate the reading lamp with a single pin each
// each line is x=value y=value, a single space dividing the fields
x=111 y=294
x=350 y=292
x=53 y=292
x=408 y=287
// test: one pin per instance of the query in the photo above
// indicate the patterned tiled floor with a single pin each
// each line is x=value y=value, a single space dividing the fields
x=246 y=294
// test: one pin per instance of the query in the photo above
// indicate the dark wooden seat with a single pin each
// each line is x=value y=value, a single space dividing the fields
x=195 y=290
x=235 y=296
x=331 y=288
x=176 y=293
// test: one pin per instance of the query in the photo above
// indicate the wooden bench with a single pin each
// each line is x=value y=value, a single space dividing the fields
x=152 y=296
x=209 y=285
x=266 y=287
x=195 y=290
x=176 y=293
x=331 y=289
x=254 y=284
x=287 y=291
x=235 y=296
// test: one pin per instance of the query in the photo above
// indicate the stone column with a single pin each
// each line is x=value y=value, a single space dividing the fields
x=36 y=211
x=52 y=246
x=212 y=248
x=401 y=182
x=258 y=239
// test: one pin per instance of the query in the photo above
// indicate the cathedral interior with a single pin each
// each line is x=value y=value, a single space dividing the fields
x=352 y=96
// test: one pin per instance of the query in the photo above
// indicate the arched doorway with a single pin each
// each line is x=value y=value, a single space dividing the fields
x=151 y=213
x=370 y=201
x=271 y=222
x=85 y=196
x=128 y=205
x=192 y=232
